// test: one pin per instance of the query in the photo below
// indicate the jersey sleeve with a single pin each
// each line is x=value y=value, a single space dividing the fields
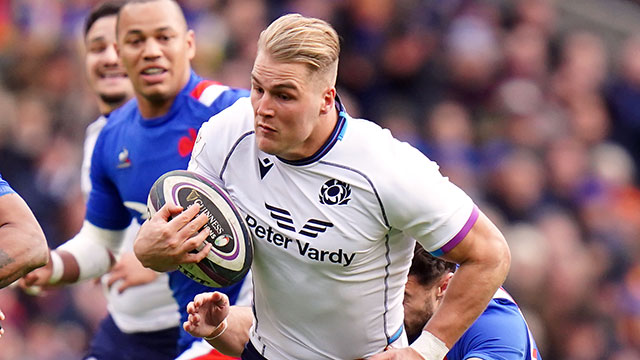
x=104 y=207
x=424 y=204
x=4 y=187
x=499 y=333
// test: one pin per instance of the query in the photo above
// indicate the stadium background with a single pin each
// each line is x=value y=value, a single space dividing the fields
x=531 y=106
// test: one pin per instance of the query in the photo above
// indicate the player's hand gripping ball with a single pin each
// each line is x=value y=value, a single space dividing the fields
x=230 y=256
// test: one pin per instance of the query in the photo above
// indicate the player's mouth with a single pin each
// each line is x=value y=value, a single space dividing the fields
x=153 y=74
x=266 y=129
x=112 y=75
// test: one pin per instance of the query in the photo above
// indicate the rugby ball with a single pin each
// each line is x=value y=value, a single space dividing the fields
x=231 y=252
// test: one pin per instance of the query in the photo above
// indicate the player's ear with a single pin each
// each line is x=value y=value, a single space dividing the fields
x=328 y=100
x=191 y=44
x=444 y=283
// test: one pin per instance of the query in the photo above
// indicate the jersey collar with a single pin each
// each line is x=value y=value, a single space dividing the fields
x=336 y=135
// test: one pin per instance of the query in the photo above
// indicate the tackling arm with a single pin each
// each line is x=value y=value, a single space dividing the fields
x=23 y=246
x=484 y=260
x=87 y=255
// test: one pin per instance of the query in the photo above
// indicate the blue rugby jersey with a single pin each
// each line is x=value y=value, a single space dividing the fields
x=132 y=152
x=5 y=188
x=500 y=332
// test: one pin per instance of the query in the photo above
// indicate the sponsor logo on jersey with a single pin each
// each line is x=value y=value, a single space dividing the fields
x=335 y=192
x=123 y=159
x=299 y=247
x=284 y=220
x=265 y=165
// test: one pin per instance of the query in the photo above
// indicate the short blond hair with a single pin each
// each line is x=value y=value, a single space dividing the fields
x=300 y=39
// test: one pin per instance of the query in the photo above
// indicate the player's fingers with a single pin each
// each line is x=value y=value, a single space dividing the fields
x=179 y=221
x=113 y=277
x=201 y=298
x=30 y=279
x=124 y=286
x=193 y=227
x=191 y=307
x=219 y=299
x=2 y=317
x=167 y=211
x=190 y=258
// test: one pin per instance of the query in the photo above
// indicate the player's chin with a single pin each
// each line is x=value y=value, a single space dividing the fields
x=266 y=144
x=155 y=94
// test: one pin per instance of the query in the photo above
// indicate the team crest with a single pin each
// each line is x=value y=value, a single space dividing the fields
x=123 y=159
x=335 y=192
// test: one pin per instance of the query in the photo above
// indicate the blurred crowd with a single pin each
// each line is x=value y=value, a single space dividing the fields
x=540 y=126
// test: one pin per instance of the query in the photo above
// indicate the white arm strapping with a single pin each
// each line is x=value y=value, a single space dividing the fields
x=91 y=248
x=430 y=347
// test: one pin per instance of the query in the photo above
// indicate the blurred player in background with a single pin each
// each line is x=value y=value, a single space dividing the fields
x=499 y=333
x=142 y=140
x=334 y=205
x=23 y=246
x=133 y=329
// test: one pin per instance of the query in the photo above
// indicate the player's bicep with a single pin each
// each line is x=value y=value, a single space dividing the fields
x=483 y=240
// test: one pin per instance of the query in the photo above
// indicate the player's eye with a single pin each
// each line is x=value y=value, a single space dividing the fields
x=97 y=49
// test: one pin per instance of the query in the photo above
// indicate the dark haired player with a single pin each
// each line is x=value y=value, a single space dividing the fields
x=499 y=333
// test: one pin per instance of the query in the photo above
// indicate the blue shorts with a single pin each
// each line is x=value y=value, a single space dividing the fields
x=250 y=353
x=109 y=343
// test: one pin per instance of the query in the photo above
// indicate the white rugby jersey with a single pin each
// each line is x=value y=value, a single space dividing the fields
x=332 y=233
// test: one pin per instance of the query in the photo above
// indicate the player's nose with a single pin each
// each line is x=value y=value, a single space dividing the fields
x=151 y=49
x=110 y=56
x=263 y=106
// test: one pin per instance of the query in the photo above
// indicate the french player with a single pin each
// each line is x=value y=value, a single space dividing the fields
x=334 y=204
x=143 y=139
x=501 y=332
x=132 y=328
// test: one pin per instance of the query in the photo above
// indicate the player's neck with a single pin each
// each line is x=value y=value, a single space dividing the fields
x=317 y=140
x=153 y=109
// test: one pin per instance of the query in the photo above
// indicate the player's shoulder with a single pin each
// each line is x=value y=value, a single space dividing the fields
x=369 y=139
x=236 y=118
x=222 y=131
x=213 y=97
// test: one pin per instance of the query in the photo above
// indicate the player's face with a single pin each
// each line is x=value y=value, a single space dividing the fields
x=105 y=74
x=420 y=303
x=288 y=102
x=156 y=48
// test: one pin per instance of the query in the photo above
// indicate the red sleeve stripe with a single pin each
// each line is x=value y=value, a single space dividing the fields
x=202 y=85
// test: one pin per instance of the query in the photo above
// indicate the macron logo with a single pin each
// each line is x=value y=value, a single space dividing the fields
x=265 y=165
x=283 y=219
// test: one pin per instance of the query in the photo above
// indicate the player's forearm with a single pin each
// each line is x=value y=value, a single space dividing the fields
x=232 y=341
x=21 y=250
x=483 y=269
x=459 y=310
